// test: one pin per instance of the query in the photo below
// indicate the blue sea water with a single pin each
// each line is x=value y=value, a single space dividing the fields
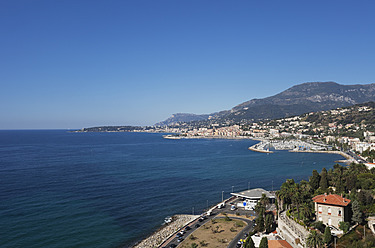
x=62 y=189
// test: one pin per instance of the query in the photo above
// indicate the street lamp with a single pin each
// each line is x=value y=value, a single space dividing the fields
x=222 y=196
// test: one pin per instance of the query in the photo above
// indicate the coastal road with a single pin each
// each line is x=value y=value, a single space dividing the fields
x=173 y=239
x=241 y=235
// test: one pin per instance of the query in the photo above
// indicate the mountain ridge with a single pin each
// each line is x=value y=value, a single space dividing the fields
x=296 y=100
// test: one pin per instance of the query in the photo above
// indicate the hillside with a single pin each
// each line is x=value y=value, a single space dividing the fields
x=299 y=99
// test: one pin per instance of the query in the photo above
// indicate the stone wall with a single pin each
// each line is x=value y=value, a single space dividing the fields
x=291 y=231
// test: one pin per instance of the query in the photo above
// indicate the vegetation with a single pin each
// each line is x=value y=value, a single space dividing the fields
x=355 y=182
x=314 y=240
x=249 y=243
x=263 y=243
x=356 y=238
x=327 y=238
x=265 y=221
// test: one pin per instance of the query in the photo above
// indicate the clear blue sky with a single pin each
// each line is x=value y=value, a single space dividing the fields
x=74 y=64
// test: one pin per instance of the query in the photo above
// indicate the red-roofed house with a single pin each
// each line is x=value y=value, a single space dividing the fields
x=278 y=244
x=331 y=209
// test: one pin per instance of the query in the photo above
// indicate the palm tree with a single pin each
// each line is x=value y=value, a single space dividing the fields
x=306 y=210
x=314 y=240
x=285 y=193
x=296 y=197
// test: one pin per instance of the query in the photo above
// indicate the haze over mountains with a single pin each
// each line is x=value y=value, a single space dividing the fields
x=299 y=99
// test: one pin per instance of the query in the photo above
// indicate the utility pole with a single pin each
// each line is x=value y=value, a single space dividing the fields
x=335 y=240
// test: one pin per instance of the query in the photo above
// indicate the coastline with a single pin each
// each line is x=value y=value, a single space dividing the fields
x=348 y=157
x=166 y=231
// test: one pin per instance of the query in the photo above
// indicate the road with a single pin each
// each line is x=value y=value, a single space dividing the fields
x=172 y=242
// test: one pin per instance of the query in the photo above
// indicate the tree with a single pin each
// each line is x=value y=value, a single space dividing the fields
x=314 y=180
x=323 y=183
x=344 y=226
x=327 y=236
x=314 y=240
x=268 y=223
x=357 y=214
x=285 y=193
x=306 y=211
x=249 y=243
x=260 y=223
x=263 y=243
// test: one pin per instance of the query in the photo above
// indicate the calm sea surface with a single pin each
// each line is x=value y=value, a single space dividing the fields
x=60 y=189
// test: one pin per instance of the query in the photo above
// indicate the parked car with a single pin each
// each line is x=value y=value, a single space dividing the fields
x=197 y=225
x=187 y=228
x=180 y=240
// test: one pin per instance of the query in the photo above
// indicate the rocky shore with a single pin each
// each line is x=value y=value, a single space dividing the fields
x=166 y=231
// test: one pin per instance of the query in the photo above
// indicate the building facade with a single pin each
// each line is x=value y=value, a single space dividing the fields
x=331 y=209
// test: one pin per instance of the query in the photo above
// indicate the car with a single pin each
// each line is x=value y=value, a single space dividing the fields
x=187 y=228
x=180 y=240
x=233 y=207
x=182 y=232
x=197 y=225
x=172 y=246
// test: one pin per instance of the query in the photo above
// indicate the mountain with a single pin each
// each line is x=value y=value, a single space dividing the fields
x=299 y=99
x=181 y=117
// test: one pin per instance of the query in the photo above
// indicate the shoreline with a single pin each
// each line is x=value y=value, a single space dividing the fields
x=166 y=231
x=348 y=157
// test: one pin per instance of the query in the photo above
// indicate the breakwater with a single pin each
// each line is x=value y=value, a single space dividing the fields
x=166 y=231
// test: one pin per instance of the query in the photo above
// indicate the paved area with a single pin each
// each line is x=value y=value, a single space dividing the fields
x=172 y=241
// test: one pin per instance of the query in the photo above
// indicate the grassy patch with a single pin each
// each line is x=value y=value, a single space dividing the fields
x=214 y=234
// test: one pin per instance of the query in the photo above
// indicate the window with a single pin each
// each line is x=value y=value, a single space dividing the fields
x=339 y=212
x=320 y=209
x=329 y=210
x=329 y=222
x=320 y=218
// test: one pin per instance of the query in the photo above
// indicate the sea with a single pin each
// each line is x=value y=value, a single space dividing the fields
x=65 y=189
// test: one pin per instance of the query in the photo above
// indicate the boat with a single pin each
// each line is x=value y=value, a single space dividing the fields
x=168 y=219
x=171 y=137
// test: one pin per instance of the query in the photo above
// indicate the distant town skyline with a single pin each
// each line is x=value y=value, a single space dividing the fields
x=74 y=64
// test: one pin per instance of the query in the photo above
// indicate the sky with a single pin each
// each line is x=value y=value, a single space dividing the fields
x=69 y=64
